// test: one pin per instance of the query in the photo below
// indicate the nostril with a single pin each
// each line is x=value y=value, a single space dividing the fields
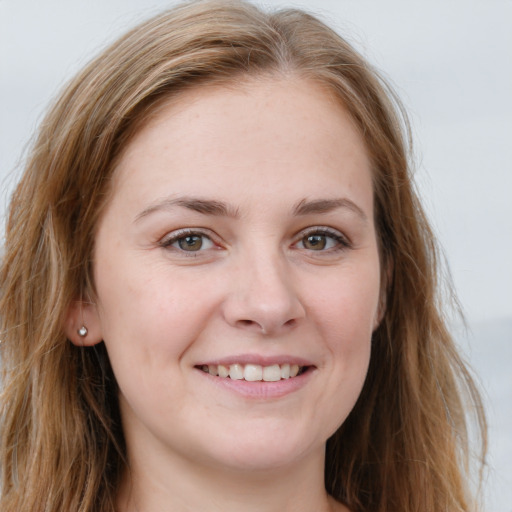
x=251 y=324
x=262 y=327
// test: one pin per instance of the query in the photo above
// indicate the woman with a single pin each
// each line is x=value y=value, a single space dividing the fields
x=219 y=289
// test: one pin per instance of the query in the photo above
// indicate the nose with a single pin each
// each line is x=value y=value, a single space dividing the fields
x=263 y=296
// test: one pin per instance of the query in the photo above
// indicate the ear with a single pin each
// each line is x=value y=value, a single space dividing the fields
x=381 y=310
x=386 y=278
x=81 y=313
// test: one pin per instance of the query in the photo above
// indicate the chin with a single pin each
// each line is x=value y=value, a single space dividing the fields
x=265 y=450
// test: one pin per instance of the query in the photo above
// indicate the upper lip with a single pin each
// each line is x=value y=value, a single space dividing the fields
x=262 y=360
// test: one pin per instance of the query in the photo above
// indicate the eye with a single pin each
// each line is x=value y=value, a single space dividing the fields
x=322 y=239
x=188 y=241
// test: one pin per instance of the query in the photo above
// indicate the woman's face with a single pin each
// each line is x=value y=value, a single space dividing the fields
x=238 y=248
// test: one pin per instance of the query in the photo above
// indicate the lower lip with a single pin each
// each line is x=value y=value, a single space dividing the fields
x=261 y=390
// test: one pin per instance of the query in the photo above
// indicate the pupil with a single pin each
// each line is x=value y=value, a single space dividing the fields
x=191 y=243
x=315 y=242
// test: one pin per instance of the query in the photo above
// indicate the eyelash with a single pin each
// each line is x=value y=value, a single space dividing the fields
x=174 y=237
x=342 y=243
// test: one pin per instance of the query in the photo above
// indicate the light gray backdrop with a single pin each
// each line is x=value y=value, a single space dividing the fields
x=451 y=62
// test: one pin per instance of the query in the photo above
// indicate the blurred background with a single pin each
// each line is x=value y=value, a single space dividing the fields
x=451 y=63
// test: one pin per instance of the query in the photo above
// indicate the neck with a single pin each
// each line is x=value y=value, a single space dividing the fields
x=178 y=485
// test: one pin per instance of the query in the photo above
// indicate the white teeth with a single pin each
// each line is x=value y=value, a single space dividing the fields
x=272 y=373
x=223 y=371
x=236 y=371
x=253 y=372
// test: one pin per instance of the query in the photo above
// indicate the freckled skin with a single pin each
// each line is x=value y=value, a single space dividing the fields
x=257 y=284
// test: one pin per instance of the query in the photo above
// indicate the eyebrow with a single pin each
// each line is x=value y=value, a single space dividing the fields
x=204 y=206
x=221 y=209
x=305 y=207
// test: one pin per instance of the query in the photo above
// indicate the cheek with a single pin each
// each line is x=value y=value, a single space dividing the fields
x=147 y=314
x=346 y=315
x=349 y=335
x=348 y=304
x=147 y=327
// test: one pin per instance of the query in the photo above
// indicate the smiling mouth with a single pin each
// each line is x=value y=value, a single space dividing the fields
x=254 y=372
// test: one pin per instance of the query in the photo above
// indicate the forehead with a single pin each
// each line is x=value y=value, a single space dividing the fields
x=246 y=133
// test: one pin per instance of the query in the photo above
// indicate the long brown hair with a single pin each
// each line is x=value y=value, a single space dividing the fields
x=404 y=447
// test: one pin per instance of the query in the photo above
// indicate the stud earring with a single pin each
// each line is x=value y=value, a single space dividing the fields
x=82 y=332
